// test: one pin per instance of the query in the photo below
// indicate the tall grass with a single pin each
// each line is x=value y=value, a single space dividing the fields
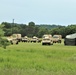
x=35 y=59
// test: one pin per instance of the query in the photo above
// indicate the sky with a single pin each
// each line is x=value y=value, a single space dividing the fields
x=59 y=12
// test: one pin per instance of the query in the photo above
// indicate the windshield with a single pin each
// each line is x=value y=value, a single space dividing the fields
x=46 y=39
x=55 y=36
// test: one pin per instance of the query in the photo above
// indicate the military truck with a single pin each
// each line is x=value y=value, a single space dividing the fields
x=17 y=36
x=12 y=40
x=47 y=40
x=57 y=38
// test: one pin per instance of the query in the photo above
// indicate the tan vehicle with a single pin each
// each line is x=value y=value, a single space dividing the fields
x=25 y=39
x=47 y=40
x=34 y=39
x=57 y=38
x=17 y=36
x=12 y=40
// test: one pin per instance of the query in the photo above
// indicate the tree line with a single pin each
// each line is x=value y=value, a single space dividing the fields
x=32 y=29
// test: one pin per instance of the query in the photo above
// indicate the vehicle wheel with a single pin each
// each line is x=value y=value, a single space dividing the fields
x=48 y=43
x=11 y=42
x=42 y=43
x=17 y=43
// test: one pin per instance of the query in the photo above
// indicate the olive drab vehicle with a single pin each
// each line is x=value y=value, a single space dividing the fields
x=57 y=38
x=70 y=39
x=47 y=40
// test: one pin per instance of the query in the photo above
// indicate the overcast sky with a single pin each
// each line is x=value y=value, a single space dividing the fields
x=62 y=12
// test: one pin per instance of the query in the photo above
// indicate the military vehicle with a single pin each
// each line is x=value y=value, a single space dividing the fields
x=25 y=39
x=47 y=40
x=17 y=36
x=34 y=39
x=57 y=38
x=12 y=40
x=70 y=39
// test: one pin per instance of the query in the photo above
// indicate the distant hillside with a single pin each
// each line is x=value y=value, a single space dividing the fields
x=49 y=26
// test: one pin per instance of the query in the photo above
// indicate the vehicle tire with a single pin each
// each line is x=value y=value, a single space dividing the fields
x=16 y=43
x=49 y=44
x=42 y=43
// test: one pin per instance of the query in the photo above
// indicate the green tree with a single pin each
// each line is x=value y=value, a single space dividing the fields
x=31 y=24
x=1 y=30
x=42 y=31
x=30 y=29
x=3 y=41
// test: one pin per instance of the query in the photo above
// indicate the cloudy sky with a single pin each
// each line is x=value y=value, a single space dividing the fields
x=62 y=12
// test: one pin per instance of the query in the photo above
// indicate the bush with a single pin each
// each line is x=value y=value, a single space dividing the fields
x=4 y=43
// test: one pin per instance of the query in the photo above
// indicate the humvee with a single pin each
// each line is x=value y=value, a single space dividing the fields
x=25 y=39
x=47 y=40
x=57 y=38
x=34 y=39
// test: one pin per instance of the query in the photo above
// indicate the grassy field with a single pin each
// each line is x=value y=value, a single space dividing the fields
x=35 y=59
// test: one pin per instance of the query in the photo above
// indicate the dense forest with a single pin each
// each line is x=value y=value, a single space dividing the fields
x=32 y=29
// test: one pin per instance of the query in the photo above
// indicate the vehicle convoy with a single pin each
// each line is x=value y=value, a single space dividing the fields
x=47 y=40
x=57 y=38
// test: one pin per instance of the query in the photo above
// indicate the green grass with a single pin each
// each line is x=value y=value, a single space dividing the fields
x=35 y=59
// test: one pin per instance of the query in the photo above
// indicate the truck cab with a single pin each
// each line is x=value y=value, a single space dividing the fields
x=57 y=38
x=47 y=40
